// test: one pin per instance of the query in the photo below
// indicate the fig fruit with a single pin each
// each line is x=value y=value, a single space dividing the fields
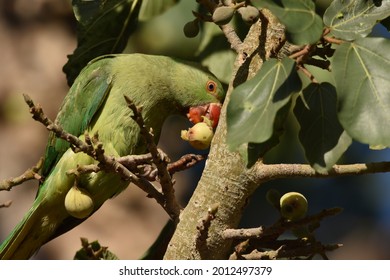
x=191 y=29
x=293 y=206
x=249 y=14
x=222 y=15
x=210 y=111
x=78 y=203
x=199 y=136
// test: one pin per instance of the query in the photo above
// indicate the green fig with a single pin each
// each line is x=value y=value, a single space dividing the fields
x=249 y=14
x=78 y=203
x=293 y=206
x=191 y=29
x=222 y=15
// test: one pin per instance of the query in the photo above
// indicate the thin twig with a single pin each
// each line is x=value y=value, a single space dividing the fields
x=307 y=73
x=257 y=240
x=278 y=228
x=203 y=230
x=232 y=37
x=171 y=204
x=185 y=162
x=298 y=250
x=300 y=51
x=333 y=40
x=29 y=174
x=138 y=164
x=6 y=204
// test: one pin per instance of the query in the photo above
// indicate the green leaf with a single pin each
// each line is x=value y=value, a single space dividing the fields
x=321 y=134
x=152 y=8
x=303 y=25
x=352 y=19
x=361 y=71
x=254 y=104
x=251 y=152
x=220 y=63
x=93 y=251
x=215 y=53
x=103 y=28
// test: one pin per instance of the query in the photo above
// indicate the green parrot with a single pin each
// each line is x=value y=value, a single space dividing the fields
x=95 y=104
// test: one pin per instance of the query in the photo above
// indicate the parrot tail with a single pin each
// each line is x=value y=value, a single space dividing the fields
x=21 y=244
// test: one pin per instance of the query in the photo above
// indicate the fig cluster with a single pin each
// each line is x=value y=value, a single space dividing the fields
x=223 y=15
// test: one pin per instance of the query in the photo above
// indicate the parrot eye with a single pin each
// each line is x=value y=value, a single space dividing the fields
x=211 y=86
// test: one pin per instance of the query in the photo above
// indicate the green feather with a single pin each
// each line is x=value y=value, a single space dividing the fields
x=80 y=105
x=95 y=104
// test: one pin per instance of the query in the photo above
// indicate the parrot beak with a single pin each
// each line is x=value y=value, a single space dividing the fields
x=210 y=111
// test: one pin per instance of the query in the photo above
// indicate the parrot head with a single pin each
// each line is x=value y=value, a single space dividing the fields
x=207 y=94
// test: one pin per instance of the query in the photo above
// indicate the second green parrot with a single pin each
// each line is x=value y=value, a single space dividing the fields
x=95 y=104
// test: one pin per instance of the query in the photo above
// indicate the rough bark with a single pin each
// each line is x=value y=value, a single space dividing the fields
x=226 y=183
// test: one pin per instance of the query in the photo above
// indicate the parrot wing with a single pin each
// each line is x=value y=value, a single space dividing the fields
x=79 y=107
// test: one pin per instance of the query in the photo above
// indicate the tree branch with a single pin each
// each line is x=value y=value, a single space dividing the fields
x=29 y=174
x=265 y=243
x=185 y=162
x=232 y=37
x=294 y=249
x=278 y=228
x=265 y=172
x=171 y=204
x=224 y=179
x=6 y=204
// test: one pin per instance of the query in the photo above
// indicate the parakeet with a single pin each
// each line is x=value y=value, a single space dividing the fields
x=95 y=104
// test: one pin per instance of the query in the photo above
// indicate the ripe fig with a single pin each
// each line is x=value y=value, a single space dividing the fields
x=199 y=136
x=293 y=206
x=210 y=111
x=222 y=15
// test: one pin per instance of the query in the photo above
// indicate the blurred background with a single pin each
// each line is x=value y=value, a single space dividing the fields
x=35 y=38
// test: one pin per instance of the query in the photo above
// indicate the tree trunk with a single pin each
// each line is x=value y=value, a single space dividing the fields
x=226 y=184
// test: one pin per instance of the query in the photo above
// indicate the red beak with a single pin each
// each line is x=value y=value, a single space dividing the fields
x=210 y=111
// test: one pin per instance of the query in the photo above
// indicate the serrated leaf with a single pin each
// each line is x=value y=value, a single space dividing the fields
x=321 y=134
x=352 y=19
x=303 y=25
x=254 y=104
x=152 y=8
x=103 y=28
x=361 y=71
